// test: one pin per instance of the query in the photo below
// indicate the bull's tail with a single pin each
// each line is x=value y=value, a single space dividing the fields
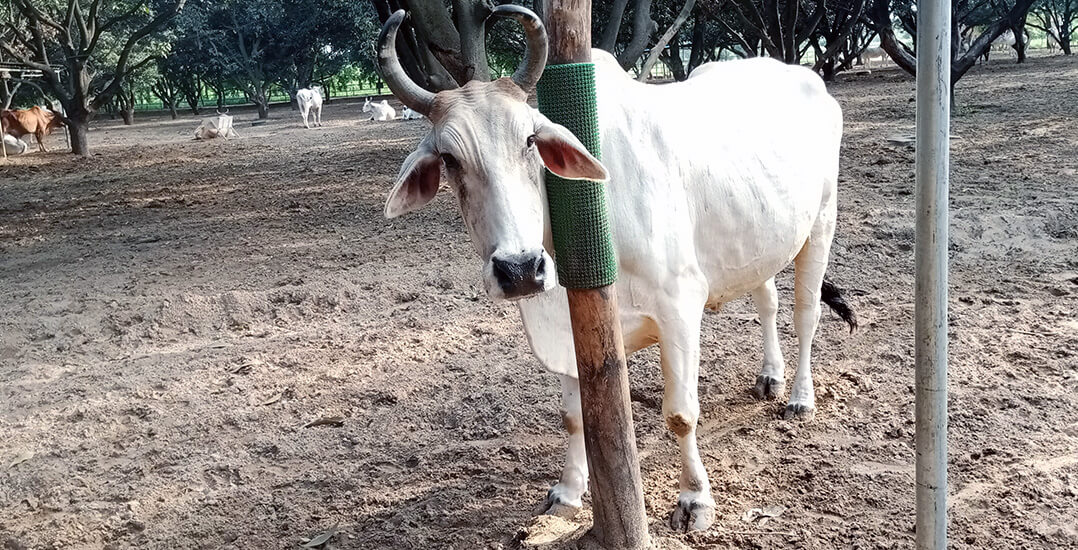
x=832 y=296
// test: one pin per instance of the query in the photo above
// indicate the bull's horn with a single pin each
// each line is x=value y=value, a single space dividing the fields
x=531 y=67
x=407 y=91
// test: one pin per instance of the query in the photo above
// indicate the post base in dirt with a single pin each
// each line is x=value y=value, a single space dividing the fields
x=617 y=494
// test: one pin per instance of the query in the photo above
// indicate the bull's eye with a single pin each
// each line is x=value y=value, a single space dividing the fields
x=450 y=161
x=531 y=140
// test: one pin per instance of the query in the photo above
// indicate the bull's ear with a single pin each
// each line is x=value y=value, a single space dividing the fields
x=417 y=182
x=565 y=156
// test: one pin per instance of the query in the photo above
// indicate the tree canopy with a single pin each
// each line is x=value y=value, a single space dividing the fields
x=97 y=54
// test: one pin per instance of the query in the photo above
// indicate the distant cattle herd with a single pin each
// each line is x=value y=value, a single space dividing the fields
x=40 y=121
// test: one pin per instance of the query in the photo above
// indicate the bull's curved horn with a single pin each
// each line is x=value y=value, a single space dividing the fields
x=407 y=91
x=531 y=67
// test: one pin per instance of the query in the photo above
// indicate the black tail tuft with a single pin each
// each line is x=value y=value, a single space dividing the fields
x=832 y=296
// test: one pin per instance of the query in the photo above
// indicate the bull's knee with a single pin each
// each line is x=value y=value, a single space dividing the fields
x=681 y=424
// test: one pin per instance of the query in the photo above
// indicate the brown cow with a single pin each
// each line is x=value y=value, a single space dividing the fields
x=34 y=120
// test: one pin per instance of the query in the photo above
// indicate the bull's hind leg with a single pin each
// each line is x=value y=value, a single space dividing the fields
x=679 y=342
x=564 y=499
x=771 y=381
x=810 y=266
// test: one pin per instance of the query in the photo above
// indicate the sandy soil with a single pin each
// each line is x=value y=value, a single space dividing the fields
x=174 y=312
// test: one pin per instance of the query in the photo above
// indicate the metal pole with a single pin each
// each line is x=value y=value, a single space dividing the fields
x=930 y=291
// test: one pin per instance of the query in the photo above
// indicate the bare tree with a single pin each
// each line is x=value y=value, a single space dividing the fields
x=840 y=37
x=1001 y=19
x=168 y=91
x=71 y=33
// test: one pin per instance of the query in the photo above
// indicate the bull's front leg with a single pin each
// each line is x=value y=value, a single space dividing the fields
x=565 y=498
x=41 y=141
x=679 y=342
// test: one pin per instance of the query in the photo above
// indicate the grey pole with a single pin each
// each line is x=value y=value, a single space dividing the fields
x=930 y=291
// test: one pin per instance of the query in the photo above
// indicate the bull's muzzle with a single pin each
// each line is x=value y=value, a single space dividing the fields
x=521 y=274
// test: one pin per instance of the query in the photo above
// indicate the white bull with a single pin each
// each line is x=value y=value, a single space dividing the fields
x=704 y=210
x=310 y=102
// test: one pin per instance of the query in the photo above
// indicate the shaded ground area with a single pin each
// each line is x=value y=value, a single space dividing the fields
x=172 y=313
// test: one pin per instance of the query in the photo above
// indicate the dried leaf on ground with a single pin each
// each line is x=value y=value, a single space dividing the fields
x=22 y=457
x=326 y=421
x=763 y=514
x=273 y=399
x=321 y=538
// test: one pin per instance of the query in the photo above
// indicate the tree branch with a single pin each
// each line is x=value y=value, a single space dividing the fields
x=657 y=49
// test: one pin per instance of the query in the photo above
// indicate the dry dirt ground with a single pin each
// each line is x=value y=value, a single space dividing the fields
x=174 y=312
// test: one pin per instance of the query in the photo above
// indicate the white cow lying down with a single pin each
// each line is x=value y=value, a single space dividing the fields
x=704 y=210
x=218 y=126
x=310 y=101
x=13 y=145
x=379 y=111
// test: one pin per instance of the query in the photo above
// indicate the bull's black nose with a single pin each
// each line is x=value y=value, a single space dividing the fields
x=520 y=274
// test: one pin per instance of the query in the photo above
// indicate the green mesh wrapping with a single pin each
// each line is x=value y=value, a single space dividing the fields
x=584 y=251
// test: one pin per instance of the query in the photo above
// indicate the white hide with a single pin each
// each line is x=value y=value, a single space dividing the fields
x=14 y=146
x=704 y=209
x=380 y=111
x=408 y=114
x=719 y=202
x=310 y=102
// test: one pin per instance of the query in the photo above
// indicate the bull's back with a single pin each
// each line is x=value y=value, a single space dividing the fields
x=724 y=173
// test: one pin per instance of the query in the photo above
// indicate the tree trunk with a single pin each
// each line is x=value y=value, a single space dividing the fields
x=127 y=107
x=78 y=127
x=642 y=28
x=1020 y=43
x=673 y=60
x=263 y=107
x=432 y=25
x=699 y=37
x=609 y=39
x=172 y=110
x=471 y=17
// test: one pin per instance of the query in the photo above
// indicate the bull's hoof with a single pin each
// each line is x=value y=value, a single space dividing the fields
x=768 y=387
x=799 y=411
x=692 y=514
x=557 y=503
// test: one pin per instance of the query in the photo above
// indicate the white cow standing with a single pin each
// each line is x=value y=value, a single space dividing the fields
x=379 y=111
x=703 y=210
x=310 y=100
x=873 y=54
